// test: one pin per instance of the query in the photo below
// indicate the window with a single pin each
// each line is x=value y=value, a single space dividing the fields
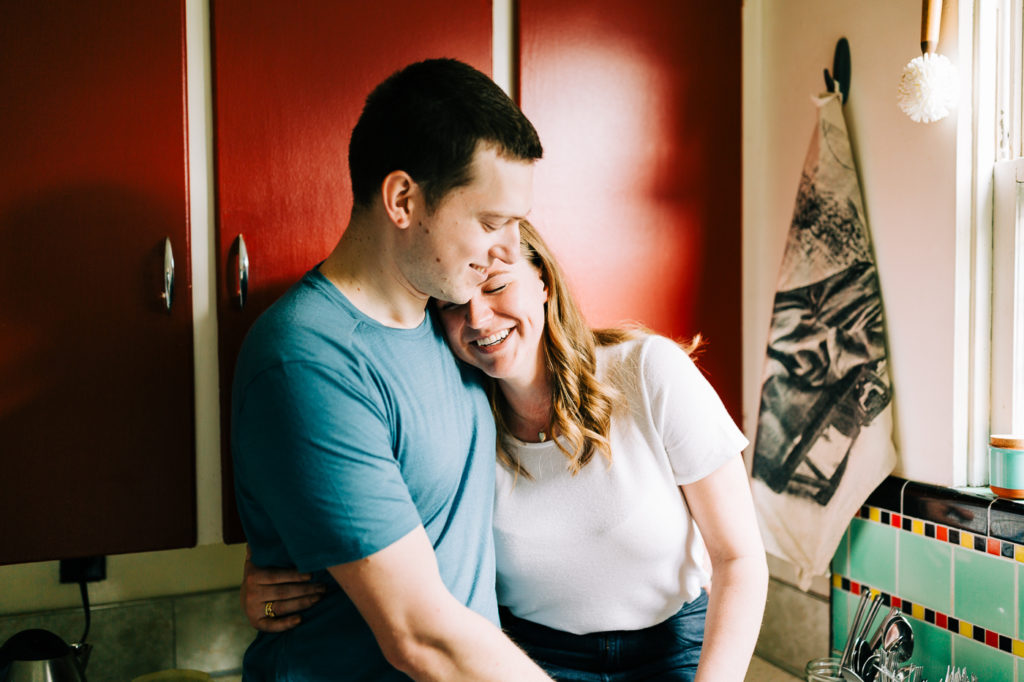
x=990 y=229
x=1005 y=22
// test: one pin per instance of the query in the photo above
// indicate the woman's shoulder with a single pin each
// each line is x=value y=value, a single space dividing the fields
x=642 y=348
x=643 y=360
x=612 y=351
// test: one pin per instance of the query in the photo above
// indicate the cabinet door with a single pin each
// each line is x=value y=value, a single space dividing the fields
x=96 y=385
x=290 y=80
x=638 y=106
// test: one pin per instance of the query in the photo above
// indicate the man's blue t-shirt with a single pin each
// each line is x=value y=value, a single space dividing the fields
x=347 y=435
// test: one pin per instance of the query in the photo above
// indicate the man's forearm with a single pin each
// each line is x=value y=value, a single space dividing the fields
x=468 y=647
x=421 y=628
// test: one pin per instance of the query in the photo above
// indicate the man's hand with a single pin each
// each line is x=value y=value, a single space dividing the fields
x=286 y=590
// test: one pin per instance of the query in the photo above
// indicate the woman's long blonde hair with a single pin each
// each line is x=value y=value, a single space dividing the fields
x=581 y=405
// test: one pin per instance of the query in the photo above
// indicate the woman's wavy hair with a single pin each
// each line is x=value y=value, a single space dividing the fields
x=581 y=405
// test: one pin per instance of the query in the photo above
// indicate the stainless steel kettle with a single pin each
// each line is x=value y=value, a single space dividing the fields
x=41 y=656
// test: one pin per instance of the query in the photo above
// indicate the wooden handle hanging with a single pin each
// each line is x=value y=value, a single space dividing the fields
x=931 y=22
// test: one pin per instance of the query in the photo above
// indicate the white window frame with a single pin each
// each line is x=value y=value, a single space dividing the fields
x=1007 y=411
x=989 y=343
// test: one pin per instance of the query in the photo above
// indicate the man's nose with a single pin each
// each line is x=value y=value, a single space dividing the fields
x=507 y=247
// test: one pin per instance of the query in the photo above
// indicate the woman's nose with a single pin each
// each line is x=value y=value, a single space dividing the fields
x=477 y=312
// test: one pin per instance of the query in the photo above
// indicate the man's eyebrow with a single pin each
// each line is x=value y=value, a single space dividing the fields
x=507 y=216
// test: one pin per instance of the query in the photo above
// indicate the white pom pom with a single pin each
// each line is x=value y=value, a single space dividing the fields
x=928 y=88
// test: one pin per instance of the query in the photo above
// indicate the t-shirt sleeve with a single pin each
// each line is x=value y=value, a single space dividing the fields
x=313 y=450
x=697 y=432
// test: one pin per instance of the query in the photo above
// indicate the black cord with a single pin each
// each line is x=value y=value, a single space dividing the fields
x=84 y=587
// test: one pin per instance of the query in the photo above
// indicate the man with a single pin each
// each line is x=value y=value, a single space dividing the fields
x=361 y=447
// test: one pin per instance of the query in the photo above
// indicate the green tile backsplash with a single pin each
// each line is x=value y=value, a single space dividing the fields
x=933 y=648
x=842 y=614
x=983 y=590
x=841 y=557
x=984 y=661
x=960 y=585
x=925 y=571
x=873 y=554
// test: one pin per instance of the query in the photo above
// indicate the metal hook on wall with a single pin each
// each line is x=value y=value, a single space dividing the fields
x=839 y=79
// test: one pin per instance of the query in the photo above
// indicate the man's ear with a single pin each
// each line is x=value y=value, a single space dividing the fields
x=400 y=195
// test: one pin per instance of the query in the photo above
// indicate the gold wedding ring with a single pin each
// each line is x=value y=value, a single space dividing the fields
x=268 y=610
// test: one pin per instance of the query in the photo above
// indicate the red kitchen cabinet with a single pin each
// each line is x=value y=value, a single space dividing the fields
x=290 y=80
x=96 y=374
x=638 y=107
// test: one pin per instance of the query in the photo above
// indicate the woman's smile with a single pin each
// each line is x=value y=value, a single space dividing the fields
x=500 y=328
x=493 y=340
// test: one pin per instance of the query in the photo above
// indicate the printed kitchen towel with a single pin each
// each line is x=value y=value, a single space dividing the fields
x=824 y=430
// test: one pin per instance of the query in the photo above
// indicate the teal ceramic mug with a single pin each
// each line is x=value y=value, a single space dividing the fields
x=1006 y=466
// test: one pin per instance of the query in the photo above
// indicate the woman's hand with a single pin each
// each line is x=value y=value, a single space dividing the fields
x=286 y=590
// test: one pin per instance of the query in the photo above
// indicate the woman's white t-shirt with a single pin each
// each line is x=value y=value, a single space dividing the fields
x=614 y=547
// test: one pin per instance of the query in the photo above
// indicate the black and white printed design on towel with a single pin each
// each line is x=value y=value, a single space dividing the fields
x=824 y=429
x=826 y=374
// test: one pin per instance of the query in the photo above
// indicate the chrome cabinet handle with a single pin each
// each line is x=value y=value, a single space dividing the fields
x=243 y=272
x=168 y=294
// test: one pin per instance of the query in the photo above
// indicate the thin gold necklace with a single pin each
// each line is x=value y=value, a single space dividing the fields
x=541 y=435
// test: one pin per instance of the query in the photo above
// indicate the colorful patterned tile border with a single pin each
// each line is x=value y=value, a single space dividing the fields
x=954 y=536
x=957 y=626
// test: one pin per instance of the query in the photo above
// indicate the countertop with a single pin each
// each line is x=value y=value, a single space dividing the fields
x=761 y=670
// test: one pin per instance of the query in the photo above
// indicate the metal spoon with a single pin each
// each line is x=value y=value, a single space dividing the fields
x=850 y=675
x=864 y=661
x=896 y=629
x=875 y=638
x=872 y=612
x=861 y=651
x=898 y=639
x=874 y=663
x=854 y=626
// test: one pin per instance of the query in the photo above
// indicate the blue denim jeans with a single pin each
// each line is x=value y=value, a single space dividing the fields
x=666 y=651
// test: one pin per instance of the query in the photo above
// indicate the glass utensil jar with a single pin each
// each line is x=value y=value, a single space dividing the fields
x=823 y=670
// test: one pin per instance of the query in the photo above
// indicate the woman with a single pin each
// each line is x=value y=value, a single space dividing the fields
x=599 y=557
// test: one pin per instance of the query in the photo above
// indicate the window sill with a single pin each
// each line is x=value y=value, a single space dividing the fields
x=995 y=524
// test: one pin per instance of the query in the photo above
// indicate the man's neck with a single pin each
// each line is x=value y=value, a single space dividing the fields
x=362 y=266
